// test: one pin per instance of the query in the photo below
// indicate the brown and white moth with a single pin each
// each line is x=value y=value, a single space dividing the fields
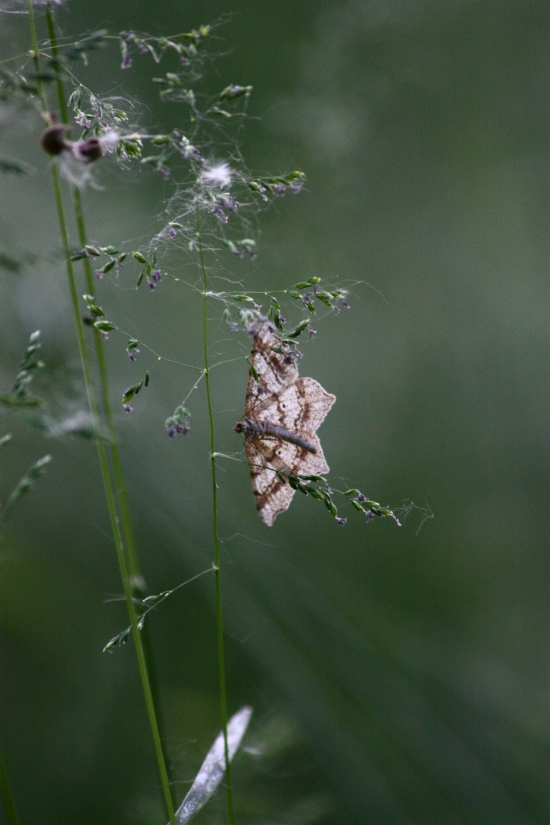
x=282 y=415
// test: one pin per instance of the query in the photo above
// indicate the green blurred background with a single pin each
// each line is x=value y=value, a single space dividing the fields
x=397 y=675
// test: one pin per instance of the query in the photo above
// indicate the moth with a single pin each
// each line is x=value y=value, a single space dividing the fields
x=281 y=418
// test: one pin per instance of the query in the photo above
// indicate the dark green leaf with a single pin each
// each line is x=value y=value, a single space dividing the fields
x=130 y=392
x=299 y=329
x=95 y=310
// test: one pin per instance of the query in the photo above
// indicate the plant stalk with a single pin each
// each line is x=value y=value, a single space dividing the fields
x=102 y=454
x=217 y=576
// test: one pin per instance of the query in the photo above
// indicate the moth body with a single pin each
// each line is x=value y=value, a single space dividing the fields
x=254 y=428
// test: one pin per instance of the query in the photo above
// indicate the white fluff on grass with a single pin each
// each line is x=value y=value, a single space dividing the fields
x=213 y=767
x=218 y=174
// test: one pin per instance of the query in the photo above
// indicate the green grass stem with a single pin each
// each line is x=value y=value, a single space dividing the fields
x=102 y=453
x=217 y=575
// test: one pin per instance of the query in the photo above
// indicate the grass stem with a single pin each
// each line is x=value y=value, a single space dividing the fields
x=102 y=453
x=217 y=575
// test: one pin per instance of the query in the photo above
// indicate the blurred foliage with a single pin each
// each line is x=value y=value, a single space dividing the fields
x=409 y=668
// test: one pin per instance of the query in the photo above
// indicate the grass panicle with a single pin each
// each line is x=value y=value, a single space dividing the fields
x=208 y=219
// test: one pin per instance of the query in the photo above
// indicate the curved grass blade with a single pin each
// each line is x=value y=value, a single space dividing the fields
x=213 y=767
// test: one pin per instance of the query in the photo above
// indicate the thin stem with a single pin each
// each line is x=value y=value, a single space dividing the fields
x=217 y=576
x=35 y=57
x=103 y=460
x=136 y=579
x=122 y=496
x=55 y=55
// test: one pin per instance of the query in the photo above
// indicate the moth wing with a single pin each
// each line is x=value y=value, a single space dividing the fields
x=275 y=370
x=298 y=404
x=301 y=407
x=266 y=455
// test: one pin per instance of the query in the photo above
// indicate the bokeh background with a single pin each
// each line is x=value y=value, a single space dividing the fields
x=398 y=675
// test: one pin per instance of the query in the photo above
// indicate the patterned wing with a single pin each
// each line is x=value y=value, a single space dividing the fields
x=272 y=495
x=265 y=455
x=275 y=370
x=301 y=407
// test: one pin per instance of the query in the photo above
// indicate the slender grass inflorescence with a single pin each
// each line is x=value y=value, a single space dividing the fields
x=210 y=212
x=115 y=506
x=22 y=402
